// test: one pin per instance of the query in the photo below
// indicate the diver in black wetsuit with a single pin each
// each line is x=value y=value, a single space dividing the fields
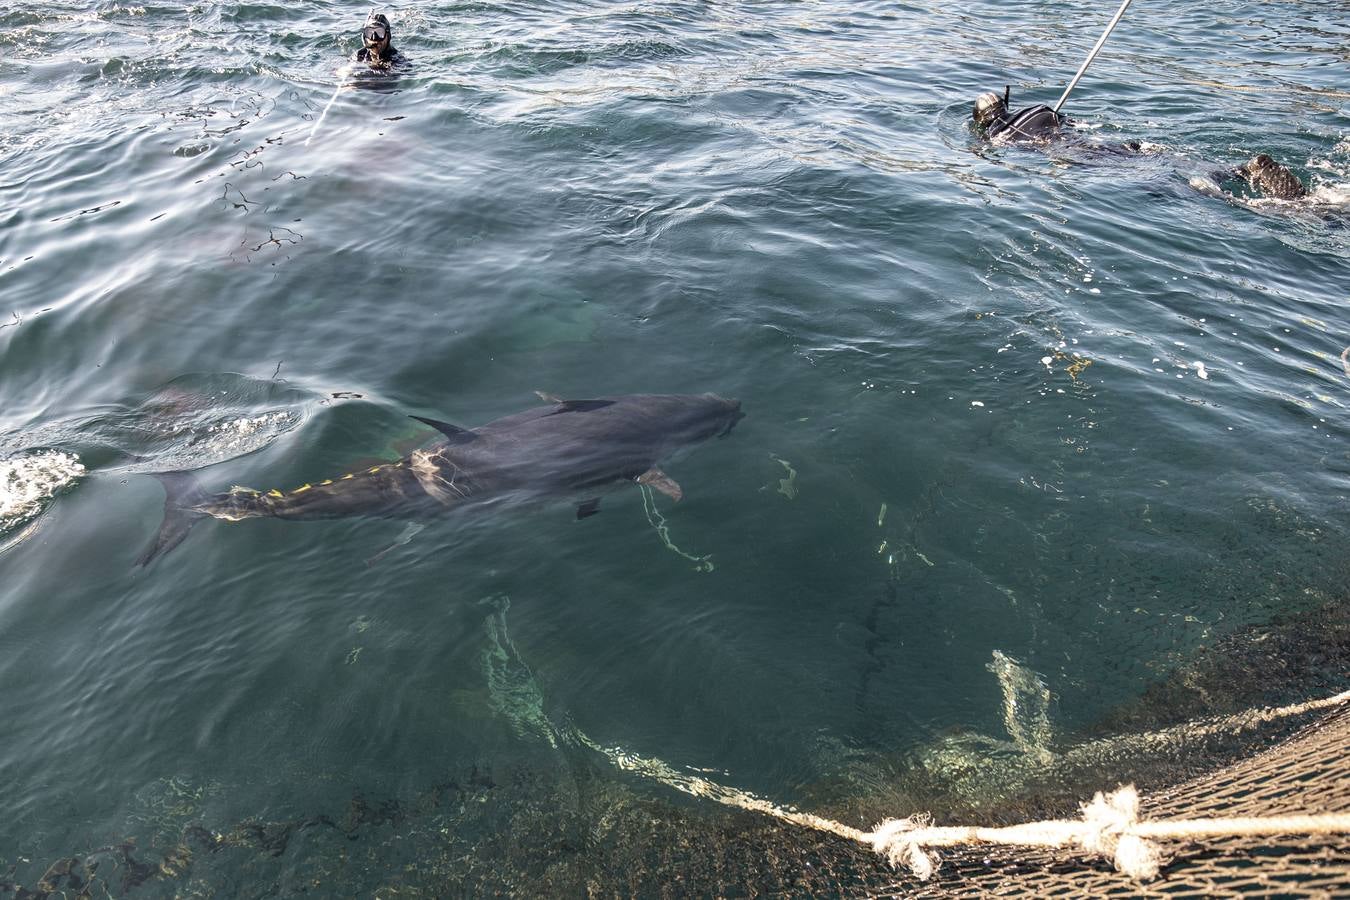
x=376 y=39
x=1040 y=124
x=1001 y=125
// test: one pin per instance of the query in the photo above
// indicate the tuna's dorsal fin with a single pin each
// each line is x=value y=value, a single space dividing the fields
x=588 y=508
x=655 y=478
x=581 y=405
x=453 y=433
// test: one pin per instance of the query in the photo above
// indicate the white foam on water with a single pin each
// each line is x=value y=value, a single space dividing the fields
x=1207 y=186
x=1321 y=199
x=245 y=426
x=28 y=481
x=1331 y=195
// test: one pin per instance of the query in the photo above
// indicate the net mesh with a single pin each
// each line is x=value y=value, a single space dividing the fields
x=1305 y=773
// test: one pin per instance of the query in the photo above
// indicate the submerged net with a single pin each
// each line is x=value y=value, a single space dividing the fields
x=1274 y=821
x=1209 y=743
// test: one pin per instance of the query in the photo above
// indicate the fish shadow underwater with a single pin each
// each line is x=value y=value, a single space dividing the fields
x=568 y=448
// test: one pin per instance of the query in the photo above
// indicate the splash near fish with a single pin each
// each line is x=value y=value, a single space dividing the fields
x=28 y=481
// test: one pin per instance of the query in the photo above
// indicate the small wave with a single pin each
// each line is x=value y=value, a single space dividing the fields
x=190 y=442
x=29 y=480
x=199 y=420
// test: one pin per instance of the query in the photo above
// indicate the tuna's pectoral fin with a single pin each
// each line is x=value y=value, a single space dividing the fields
x=549 y=398
x=453 y=433
x=588 y=508
x=180 y=490
x=654 y=477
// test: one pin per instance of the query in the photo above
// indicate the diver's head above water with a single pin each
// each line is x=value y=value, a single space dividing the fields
x=988 y=107
x=376 y=39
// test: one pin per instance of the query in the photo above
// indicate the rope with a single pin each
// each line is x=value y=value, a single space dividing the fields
x=658 y=523
x=337 y=89
x=1109 y=824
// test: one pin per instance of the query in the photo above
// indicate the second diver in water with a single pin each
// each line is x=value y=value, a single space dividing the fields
x=1001 y=125
x=998 y=123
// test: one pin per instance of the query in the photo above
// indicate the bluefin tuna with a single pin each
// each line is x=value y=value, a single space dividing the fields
x=576 y=448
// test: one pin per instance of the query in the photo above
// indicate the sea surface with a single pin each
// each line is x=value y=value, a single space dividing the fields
x=1053 y=418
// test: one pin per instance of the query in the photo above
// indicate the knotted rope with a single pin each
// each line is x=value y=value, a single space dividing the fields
x=1109 y=826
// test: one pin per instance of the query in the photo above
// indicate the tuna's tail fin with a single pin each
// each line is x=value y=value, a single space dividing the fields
x=180 y=491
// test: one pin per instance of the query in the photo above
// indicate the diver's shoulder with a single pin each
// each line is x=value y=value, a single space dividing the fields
x=1040 y=113
x=1029 y=124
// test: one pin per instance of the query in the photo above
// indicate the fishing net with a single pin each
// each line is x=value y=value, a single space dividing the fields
x=1215 y=756
x=1305 y=773
x=1268 y=815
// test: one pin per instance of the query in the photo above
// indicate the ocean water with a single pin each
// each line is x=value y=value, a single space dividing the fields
x=1058 y=413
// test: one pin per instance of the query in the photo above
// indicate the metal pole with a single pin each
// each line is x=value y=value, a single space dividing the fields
x=1093 y=55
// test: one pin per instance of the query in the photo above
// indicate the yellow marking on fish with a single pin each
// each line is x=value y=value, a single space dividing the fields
x=274 y=493
x=348 y=475
x=325 y=481
x=301 y=490
x=374 y=469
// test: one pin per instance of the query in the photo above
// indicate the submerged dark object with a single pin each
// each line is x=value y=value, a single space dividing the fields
x=1040 y=125
x=575 y=447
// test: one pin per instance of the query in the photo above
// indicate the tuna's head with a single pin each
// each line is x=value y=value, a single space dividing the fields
x=688 y=419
